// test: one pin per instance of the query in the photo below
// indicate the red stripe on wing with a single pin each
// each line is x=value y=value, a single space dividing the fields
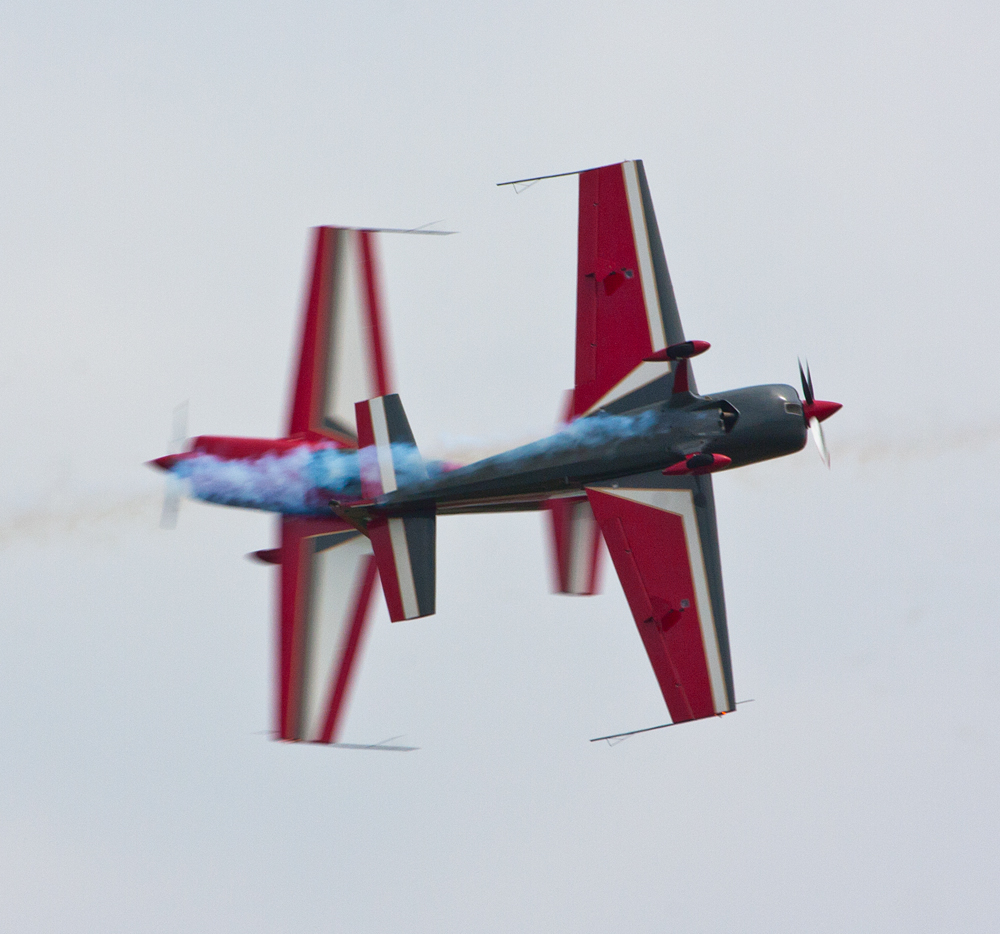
x=361 y=609
x=290 y=594
x=308 y=390
x=381 y=539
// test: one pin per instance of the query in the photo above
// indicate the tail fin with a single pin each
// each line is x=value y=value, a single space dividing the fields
x=387 y=451
x=404 y=545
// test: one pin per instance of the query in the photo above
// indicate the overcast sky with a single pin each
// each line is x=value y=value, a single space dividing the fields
x=825 y=179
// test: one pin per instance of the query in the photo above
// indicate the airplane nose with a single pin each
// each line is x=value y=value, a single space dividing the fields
x=820 y=410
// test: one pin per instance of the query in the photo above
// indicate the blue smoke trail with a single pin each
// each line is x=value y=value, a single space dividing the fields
x=303 y=480
x=299 y=482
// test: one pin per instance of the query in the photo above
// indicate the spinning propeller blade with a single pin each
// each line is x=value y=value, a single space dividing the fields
x=173 y=487
x=816 y=411
x=816 y=427
x=807 y=384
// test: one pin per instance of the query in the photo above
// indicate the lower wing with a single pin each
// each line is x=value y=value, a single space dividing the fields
x=328 y=579
x=576 y=546
x=661 y=534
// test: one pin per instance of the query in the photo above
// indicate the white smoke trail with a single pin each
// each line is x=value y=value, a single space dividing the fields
x=50 y=519
x=58 y=516
x=933 y=443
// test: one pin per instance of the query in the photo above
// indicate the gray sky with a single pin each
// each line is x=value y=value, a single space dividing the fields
x=825 y=182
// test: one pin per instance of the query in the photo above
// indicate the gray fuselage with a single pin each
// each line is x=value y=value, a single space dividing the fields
x=747 y=425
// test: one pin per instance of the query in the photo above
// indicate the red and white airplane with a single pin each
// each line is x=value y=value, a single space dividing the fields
x=632 y=466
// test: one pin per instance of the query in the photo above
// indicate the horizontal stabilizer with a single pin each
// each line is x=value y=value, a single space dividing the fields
x=404 y=545
x=387 y=452
x=405 y=552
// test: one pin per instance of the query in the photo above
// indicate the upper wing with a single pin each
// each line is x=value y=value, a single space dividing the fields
x=662 y=536
x=626 y=309
x=343 y=352
x=327 y=581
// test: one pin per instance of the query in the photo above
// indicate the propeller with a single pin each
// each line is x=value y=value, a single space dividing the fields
x=816 y=411
x=173 y=487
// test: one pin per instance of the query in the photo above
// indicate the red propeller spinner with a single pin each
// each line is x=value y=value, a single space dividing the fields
x=816 y=411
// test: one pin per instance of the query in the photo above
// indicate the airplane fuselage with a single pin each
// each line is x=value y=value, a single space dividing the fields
x=742 y=426
x=745 y=426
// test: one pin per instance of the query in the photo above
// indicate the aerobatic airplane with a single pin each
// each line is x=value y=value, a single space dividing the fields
x=632 y=466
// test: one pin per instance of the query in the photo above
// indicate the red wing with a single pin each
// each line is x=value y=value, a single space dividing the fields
x=327 y=580
x=625 y=302
x=663 y=544
x=576 y=546
x=343 y=352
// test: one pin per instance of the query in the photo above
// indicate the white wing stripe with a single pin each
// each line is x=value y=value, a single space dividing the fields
x=404 y=571
x=332 y=586
x=647 y=279
x=383 y=447
x=349 y=348
x=581 y=532
x=643 y=374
